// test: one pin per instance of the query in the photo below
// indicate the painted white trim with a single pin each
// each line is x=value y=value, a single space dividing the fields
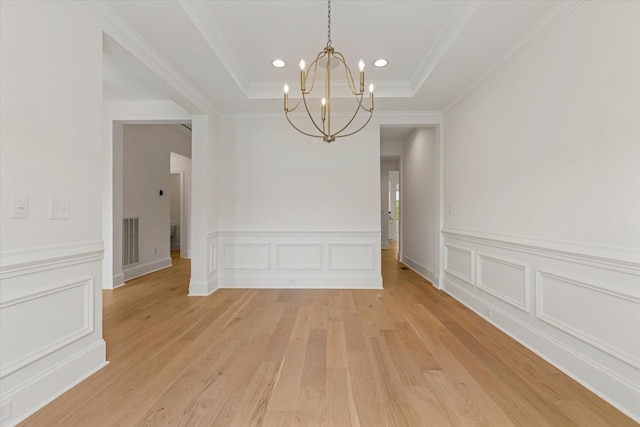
x=87 y=329
x=468 y=279
x=616 y=259
x=323 y=282
x=300 y=231
x=332 y=266
x=200 y=13
x=420 y=269
x=559 y=12
x=202 y=289
x=138 y=270
x=264 y=266
x=280 y=266
x=34 y=394
x=540 y=314
x=620 y=392
x=443 y=42
x=126 y=36
x=29 y=261
x=525 y=305
x=118 y=280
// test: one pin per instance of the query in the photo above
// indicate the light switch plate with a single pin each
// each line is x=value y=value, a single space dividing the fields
x=59 y=209
x=19 y=207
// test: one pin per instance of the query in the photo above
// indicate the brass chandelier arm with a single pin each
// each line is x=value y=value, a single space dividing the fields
x=355 y=114
x=301 y=131
x=314 y=64
x=304 y=101
x=347 y=71
x=358 y=130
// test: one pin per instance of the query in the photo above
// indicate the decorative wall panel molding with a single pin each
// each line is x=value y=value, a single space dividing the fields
x=24 y=262
x=504 y=279
x=615 y=259
x=607 y=320
x=332 y=258
x=298 y=256
x=589 y=329
x=352 y=256
x=51 y=318
x=459 y=262
x=247 y=256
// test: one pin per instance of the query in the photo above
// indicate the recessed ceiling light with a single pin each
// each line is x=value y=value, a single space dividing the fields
x=380 y=62
x=278 y=63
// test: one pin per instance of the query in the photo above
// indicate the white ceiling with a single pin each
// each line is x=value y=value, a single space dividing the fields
x=222 y=50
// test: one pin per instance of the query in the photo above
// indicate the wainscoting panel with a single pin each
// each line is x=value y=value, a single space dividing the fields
x=50 y=324
x=504 y=279
x=51 y=319
x=594 y=314
x=352 y=256
x=299 y=256
x=458 y=262
x=247 y=256
x=582 y=315
x=302 y=258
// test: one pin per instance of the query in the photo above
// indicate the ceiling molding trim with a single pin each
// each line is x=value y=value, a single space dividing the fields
x=556 y=15
x=444 y=40
x=403 y=118
x=339 y=89
x=121 y=32
x=199 y=13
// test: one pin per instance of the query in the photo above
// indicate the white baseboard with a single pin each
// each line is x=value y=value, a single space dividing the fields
x=146 y=268
x=118 y=280
x=302 y=283
x=203 y=289
x=48 y=385
x=421 y=269
x=175 y=246
x=619 y=392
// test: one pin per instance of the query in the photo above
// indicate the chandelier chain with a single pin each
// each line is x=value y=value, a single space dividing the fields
x=329 y=23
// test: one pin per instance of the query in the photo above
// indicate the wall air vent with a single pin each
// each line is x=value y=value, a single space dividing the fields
x=129 y=241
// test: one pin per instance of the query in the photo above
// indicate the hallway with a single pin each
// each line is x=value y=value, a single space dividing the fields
x=408 y=355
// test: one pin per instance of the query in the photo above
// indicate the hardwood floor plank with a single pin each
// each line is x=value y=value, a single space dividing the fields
x=407 y=355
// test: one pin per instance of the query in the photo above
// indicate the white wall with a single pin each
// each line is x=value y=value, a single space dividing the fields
x=146 y=171
x=542 y=172
x=295 y=211
x=419 y=202
x=50 y=136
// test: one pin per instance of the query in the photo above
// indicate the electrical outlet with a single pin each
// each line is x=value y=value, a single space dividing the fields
x=293 y=283
x=5 y=411
x=155 y=251
x=450 y=210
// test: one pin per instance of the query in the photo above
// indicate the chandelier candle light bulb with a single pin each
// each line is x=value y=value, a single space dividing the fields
x=371 y=95
x=302 y=76
x=286 y=97
x=327 y=59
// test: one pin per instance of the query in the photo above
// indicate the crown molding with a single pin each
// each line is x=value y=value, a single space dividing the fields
x=443 y=42
x=556 y=15
x=339 y=89
x=121 y=32
x=199 y=13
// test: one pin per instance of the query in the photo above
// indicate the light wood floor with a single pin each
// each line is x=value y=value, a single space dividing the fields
x=408 y=355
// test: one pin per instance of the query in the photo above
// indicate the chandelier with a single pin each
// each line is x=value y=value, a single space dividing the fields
x=328 y=59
